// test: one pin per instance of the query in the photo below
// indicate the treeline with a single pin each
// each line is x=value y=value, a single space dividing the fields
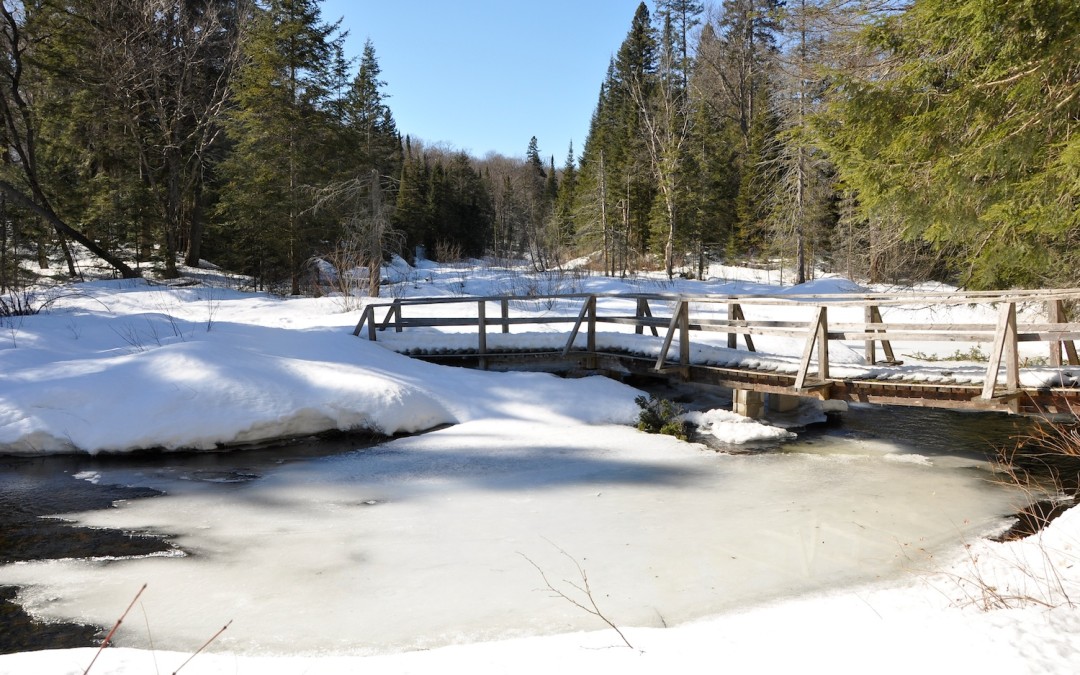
x=884 y=139
x=888 y=140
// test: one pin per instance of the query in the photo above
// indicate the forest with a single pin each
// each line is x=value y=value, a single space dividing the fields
x=891 y=141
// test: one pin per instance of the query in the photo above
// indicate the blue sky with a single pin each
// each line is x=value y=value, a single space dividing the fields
x=486 y=75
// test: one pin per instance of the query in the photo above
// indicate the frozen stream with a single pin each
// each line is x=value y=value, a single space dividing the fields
x=432 y=540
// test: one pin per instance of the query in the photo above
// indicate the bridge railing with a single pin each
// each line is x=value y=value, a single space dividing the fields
x=680 y=316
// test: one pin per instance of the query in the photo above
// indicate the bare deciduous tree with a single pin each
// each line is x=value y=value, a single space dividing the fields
x=366 y=234
x=21 y=136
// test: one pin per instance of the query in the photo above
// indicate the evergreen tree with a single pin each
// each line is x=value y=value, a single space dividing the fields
x=412 y=216
x=538 y=204
x=565 y=198
x=742 y=62
x=281 y=127
x=681 y=17
x=369 y=120
x=617 y=137
x=970 y=137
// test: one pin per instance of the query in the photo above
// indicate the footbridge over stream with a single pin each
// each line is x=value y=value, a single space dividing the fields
x=1012 y=351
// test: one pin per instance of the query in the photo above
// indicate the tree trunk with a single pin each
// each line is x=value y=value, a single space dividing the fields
x=63 y=228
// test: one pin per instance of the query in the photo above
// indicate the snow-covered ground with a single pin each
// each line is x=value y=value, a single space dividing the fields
x=704 y=561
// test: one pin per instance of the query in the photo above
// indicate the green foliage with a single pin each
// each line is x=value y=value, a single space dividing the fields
x=975 y=353
x=282 y=128
x=968 y=134
x=661 y=416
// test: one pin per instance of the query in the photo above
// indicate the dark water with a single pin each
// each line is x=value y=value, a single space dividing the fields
x=34 y=489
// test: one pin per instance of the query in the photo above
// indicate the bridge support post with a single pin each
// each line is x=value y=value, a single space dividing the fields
x=748 y=403
x=782 y=403
x=1056 y=313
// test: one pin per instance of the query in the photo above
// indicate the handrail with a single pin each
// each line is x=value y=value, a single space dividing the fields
x=1004 y=335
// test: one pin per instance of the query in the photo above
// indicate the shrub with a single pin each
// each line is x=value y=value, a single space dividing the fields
x=661 y=416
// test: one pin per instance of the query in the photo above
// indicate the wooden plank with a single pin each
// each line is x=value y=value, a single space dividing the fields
x=577 y=327
x=734 y=312
x=672 y=325
x=823 y=344
x=481 y=323
x=1005 y=334
x=870 y=345
x=815 y=333
x=684 y=335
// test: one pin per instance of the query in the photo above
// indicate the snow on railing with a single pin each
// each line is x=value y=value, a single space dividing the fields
x=727 y=314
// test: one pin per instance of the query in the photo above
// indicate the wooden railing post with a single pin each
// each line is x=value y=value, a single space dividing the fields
x=367 y=317
x=735 y=313
x=684 y=337
x=505 y=305
x=394 y=311
x=643 y=312
x=481 y=321
x=871 y=345
x=676 y=323
x=819 y=336
x=873 y=316
x=1056 y=315
x=590 y=341
x=587 y=309
x=1005 y=347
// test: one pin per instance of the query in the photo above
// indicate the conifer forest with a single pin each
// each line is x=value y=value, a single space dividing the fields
x=891 y=141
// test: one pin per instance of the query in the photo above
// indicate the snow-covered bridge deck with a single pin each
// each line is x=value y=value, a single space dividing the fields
x=840 y=346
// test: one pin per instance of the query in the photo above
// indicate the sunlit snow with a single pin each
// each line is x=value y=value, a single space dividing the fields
x=425 y=553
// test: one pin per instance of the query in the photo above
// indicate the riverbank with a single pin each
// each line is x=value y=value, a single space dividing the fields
x=122 y=365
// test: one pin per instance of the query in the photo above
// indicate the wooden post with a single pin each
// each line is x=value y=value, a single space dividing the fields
x=590 y=340
x=589 y=302
x=643 y=312
x=1056 y=314
x=505 y=305
x=871 y=345
x=481 y=320
x=873 y=316
x=819 y=336
x=367 y=317
x=823 y=344
x=1005 y=347
x=684 y=338
x=395 y=310
x=675 y=322
x=735 y=313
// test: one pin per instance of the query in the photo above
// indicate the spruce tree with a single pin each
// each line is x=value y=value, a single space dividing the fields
x=281 y=127
x=616 y=160
x=970 y=138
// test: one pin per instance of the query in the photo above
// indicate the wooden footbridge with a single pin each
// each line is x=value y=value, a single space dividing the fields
x=846 y=347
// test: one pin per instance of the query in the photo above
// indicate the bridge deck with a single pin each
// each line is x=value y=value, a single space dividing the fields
x=676 y=336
